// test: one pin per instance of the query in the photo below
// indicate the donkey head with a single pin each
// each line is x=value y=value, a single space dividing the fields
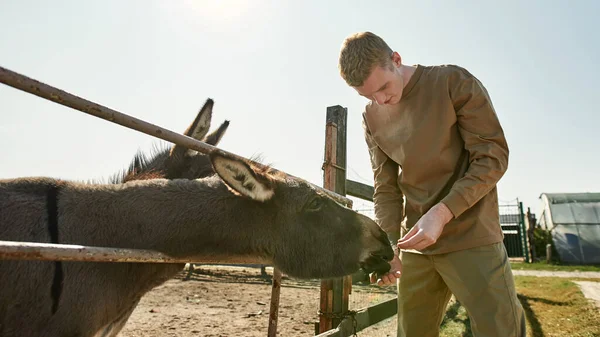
x=309 y=235
x=179 y=162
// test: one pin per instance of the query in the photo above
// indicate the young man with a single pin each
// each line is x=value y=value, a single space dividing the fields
x=437 y=151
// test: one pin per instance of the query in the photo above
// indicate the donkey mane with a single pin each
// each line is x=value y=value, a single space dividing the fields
x=138 y=167
x=139 y=163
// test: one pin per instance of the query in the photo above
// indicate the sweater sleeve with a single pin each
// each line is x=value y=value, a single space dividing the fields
x=387 y=197
x=483 y=138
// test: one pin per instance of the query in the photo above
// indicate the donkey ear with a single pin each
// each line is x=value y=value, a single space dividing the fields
x=215 y=137
x=240 y=178
x=197 y=130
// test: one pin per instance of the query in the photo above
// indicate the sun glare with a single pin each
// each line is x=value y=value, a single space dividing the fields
x=220 y=11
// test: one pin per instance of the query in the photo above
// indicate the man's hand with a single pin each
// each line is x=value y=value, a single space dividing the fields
x=428 y=229
x=390 y=277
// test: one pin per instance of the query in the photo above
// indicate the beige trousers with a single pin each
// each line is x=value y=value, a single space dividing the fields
x=481 y=280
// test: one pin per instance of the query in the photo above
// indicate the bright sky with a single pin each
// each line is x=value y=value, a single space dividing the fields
x=271 y=67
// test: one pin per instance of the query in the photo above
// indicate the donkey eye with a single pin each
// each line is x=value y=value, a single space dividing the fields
x=315 y=204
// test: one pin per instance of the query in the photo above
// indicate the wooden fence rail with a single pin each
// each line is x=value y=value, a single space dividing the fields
x=364 y=318
x=13 y=250
x=53 y=94
x=359 y=190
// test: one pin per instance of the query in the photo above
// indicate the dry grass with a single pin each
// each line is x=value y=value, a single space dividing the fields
x=553 y=306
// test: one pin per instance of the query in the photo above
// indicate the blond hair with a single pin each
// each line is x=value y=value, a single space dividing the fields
x=360 y=53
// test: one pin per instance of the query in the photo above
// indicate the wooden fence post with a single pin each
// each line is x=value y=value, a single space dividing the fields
x=334 y=293
x=274 y=308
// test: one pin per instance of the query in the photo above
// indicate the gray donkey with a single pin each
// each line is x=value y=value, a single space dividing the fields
x=178 y=162
x=240 y=213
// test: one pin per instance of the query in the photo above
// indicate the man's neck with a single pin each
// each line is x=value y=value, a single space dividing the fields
x=406 y=72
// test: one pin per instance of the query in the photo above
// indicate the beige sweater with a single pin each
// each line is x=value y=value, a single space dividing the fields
x=442 y=143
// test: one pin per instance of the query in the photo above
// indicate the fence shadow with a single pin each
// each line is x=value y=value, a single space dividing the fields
x=535 y=326
x=534 y=322
x=231 y=275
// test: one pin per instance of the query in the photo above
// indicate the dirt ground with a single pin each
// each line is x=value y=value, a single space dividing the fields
x=229 y=301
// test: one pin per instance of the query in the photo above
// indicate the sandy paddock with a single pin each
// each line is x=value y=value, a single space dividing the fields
x=234 y=301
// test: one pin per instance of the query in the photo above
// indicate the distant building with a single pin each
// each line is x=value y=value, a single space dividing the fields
x=574 y=221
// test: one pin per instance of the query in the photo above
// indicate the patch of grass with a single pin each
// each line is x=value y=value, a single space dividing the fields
x=455 y=322
x=552 y=267
x=553 y=307
x=589 y=279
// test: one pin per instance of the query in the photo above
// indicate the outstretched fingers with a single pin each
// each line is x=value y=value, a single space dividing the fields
x=386 y=279
x=414 y=237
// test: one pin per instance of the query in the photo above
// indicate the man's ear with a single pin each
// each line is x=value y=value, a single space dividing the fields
x=396 y=59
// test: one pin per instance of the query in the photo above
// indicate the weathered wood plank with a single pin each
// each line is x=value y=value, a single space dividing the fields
x=359 y=190
x=364 y=318
x=274 y=308
x=335 y=293
x=13 y=250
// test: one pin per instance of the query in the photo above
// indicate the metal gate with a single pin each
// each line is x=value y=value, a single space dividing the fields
x=512 y=220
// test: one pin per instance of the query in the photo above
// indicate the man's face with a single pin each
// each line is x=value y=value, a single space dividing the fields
x=384 y=85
